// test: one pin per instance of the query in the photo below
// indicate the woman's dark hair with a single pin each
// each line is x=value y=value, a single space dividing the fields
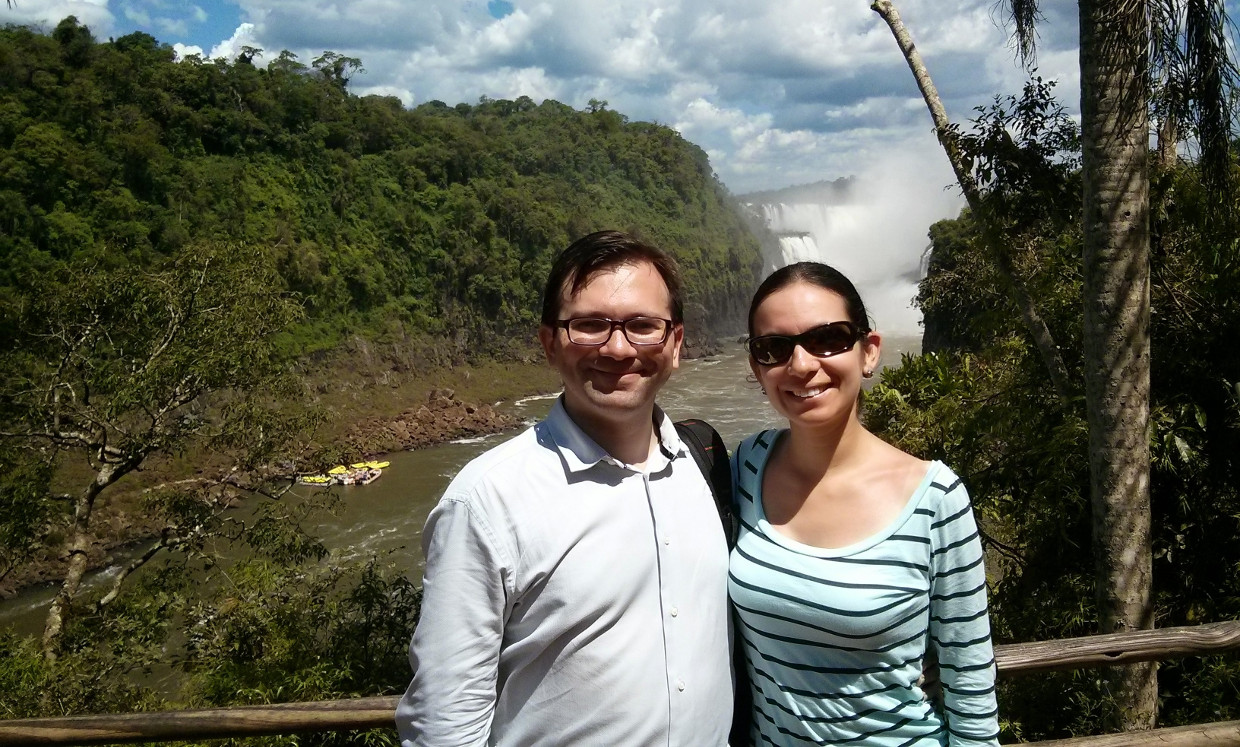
x=599 y=252
x=815 y=273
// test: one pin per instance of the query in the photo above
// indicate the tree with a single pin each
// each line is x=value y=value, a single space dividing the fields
x=1116 y=334
x=396 y=212
x=1170 y=55
x=115 y=366
x=337 y=68
x=1118 y=65
x=25 y=504
x=982 y=405
x=948 y=135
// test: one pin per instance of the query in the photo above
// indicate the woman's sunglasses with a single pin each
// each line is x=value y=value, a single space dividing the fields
x=827 y=340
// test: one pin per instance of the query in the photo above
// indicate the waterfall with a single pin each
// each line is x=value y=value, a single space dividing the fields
x=876 y=236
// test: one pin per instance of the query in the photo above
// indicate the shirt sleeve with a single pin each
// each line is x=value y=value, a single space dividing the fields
x=456 y=646
x=959 y=622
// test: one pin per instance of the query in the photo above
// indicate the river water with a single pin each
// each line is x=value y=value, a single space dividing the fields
x=387 y=516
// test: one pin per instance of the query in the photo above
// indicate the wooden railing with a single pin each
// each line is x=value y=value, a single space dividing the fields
x=1116 y=648
x=372 y=713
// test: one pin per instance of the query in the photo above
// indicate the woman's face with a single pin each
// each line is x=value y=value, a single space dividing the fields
x=806 y=389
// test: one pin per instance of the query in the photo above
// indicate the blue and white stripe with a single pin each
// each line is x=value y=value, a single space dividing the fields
x=836 y=637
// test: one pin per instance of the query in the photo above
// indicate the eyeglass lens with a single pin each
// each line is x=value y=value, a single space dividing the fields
x=640 y=330
x=826 y=340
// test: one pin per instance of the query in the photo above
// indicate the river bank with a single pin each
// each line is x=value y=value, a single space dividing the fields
x=429 y=433
x=369 y=408
x=374 y=400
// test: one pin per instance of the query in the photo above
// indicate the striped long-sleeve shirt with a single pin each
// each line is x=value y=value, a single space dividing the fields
x=835 y=638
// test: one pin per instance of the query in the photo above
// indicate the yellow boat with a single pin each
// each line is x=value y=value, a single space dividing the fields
x=369 y=465
x=315 y=480
x=339 y=469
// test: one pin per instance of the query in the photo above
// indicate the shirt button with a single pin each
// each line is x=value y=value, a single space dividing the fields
x=680 y=685
x=667 y=540
x=675 y=611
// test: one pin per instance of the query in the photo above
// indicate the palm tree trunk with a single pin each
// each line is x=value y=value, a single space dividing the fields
x=1115 y=145
x=1168 y=140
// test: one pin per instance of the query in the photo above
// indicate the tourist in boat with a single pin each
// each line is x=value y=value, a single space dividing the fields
x=855 y=561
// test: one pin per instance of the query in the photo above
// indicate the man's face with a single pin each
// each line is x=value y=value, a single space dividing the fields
x=617 y=380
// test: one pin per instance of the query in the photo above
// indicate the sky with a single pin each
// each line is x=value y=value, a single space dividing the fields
x=777 y=93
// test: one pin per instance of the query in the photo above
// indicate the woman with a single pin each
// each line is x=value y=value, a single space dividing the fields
x=855 y=560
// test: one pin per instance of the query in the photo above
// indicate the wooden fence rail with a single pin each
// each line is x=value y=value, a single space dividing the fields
x=205 y=723
x=1199 y=735
x=1116 y=648
x=372 y=713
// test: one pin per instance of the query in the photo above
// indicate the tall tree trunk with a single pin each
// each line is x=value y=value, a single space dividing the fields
x=79 y=549
x=1115 y=145
x=1168 y=140
x=992 y=237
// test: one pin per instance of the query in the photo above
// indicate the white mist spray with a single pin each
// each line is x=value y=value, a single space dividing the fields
x=876 y=238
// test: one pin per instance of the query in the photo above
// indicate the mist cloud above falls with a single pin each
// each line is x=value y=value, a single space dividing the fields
x=878 y=238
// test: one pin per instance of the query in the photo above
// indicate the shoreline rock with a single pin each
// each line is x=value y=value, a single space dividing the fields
x=441 y=419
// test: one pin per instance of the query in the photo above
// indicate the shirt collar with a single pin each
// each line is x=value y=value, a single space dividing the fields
x=580 y=452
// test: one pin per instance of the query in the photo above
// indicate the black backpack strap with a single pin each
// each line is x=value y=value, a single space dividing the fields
x=711 y=455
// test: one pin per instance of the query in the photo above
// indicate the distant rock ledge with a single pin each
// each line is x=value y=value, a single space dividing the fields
x=441 y=419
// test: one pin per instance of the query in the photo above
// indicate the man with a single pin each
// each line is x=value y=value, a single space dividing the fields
x=576 y=576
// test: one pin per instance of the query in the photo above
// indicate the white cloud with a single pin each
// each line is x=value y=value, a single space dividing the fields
x=172 y=26
x=400 y=93
x=45 y=15
x=774 y=92
x=185 y=50
x=136 y=15
x=231 y=47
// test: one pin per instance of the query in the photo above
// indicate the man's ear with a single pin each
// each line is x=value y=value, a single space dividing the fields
x=546 y=338
x=678 y=339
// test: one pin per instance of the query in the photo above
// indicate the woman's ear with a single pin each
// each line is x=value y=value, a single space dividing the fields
x=871 y=350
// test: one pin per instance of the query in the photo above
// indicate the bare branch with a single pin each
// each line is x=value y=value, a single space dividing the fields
x=1006 y=550
x=78 y=439
x=168 y=540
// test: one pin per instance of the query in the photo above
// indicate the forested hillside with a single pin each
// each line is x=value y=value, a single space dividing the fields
x=171 y=233
x=434 y=222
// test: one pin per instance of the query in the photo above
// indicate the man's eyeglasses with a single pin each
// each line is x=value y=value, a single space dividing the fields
x=639 y=330
x=823 y=342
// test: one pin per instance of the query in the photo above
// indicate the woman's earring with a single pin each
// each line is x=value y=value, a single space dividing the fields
x=868 y=373
x=763 y=389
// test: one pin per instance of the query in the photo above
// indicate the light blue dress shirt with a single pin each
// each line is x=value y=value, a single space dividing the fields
x=569 y=599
